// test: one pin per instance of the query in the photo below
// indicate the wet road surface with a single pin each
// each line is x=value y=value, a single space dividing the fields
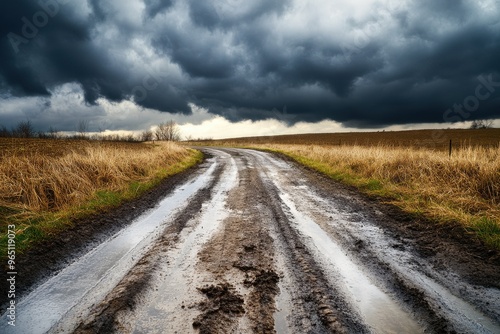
x=253 y=244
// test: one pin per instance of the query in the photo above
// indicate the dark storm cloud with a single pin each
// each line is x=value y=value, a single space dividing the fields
x=18 y=70
x=154 y=7
x=245 y=60
x=40 y=51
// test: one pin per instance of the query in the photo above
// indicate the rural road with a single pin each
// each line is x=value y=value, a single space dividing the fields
x=251 y=243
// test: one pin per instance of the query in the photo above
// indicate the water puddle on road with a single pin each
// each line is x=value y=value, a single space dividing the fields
x=283 y=303
x=379 y=311
x=283 y=300
x=471 y=319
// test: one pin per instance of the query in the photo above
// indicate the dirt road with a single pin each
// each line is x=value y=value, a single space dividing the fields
x=251 y=243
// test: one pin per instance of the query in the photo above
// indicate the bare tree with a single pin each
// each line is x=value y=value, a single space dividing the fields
x=168 y=131
x=53 y=133
x=4 y=132
x=24 y=129
x=147 y=135
x=82 y=128
x=130 y=138
x=481 y=124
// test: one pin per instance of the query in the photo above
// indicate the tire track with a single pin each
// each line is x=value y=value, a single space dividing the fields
x=265 y=247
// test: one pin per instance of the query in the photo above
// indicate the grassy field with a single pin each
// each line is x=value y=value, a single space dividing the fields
x=409 y=169
x=431 y=139
x=45 y=184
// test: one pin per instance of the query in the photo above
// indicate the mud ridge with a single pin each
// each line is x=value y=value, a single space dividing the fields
x=242 y=255
x=224 y=304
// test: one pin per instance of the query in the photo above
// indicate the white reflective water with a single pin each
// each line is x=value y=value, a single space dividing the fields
x=379 y=310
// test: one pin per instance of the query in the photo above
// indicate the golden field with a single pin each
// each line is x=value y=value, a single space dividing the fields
x=431 y=139
x=408 y=169
x=47 y=181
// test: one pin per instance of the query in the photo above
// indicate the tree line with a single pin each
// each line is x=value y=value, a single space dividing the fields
x=167 y=131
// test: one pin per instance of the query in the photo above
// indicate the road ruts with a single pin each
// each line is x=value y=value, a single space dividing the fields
x=254 y=244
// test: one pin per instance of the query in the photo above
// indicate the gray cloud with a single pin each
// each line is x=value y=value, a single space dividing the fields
x=368 y=67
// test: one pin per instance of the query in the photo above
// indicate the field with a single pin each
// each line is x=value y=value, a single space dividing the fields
x=44 y=184
x=431 y=139
x=409 y=169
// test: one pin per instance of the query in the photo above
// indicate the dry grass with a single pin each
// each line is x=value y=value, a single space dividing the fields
x=46 y=183
x=38 y=181
x=464 y=188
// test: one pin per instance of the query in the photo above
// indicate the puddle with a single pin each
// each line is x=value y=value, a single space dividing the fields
x=472 y=320
x=283 y=300
x=378 y=310
x=283 y=303
x=88 y=279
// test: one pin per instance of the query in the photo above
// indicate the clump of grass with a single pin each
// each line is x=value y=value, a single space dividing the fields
x=42 y=194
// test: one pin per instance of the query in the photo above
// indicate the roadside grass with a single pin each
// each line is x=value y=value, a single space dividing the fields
x=464 y=188
x=43 y=194
x=423 y=182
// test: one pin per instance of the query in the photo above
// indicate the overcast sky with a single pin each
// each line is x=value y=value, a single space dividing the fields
x=231 y=67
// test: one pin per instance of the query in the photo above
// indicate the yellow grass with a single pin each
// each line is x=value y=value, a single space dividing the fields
x=37 y=182
x=42 y=191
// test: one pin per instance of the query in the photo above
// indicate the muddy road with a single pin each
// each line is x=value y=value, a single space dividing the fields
x=252 y=243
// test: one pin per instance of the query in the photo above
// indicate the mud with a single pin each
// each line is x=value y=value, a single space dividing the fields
x=241 y=254
x=220 y=310
x=268 y=246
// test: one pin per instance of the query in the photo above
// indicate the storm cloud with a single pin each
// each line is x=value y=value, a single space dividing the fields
x=363 y=64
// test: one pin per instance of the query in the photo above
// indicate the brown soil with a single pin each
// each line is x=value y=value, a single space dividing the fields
x=222 y=306
x=241 y=255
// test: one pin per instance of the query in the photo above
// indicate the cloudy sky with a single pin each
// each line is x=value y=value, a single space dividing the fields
x=224 y=68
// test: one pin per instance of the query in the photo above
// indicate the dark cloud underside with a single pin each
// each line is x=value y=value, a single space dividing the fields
x=245 y=60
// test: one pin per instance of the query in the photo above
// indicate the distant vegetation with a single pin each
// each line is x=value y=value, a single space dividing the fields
x=411 y=169
x=167 y=131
